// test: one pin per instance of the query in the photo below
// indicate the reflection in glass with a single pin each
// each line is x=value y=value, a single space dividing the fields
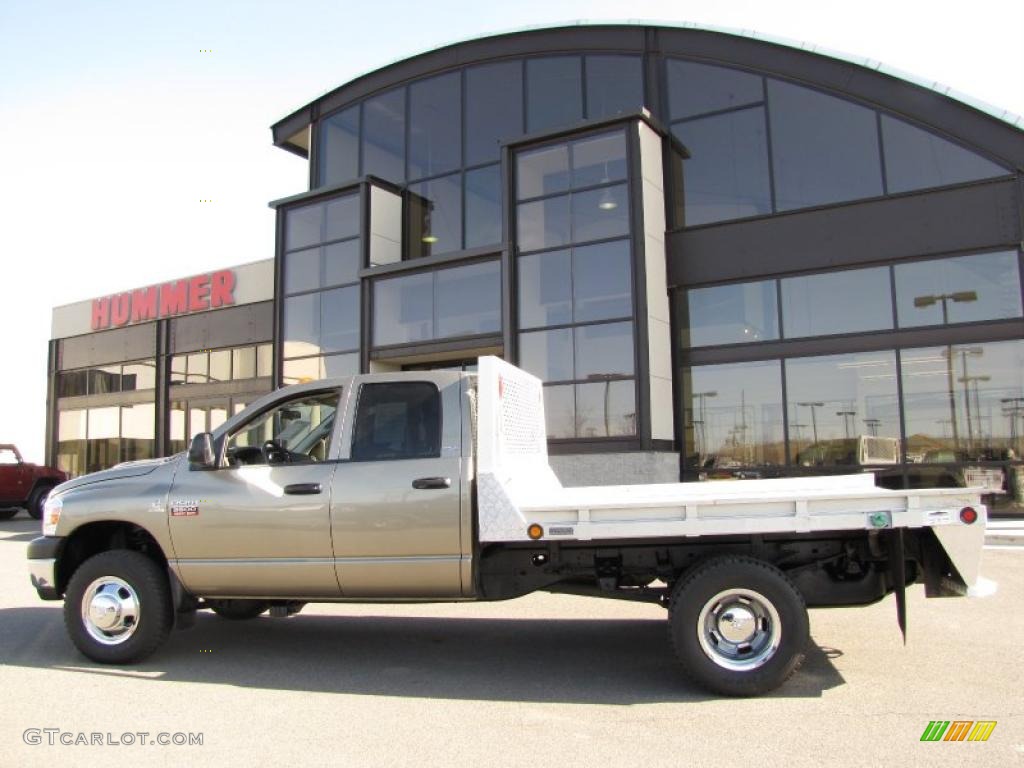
x=606 y=409
x=71 y=438
x=727 y=175
x=220 y=365
x=140 y=375
x=494 y=109
x=435 y=212
x=342 y=262
x=302 y=226
x=560 y=411
x=732 y=417
x=837 y=302
x=339 y=320
x=73 y=383
x=435 y=125
x=696 y=89
x=138 y=427
x=102 y=448
x=243 y=364
x=547 y=354
x=467 y=300
x=600 y=213
x=104 y=380
x=843 y=410
x=384 y=136
x=917 y=159
x=339 y=147
x=604 y=349
x=615 y=85
x=403 y=309
x=599 y=160
x=302 y=270
x=964 y=402
x=341 y=216
x=301 y=327
x=542 y=172
x=602 y=281
x=963 y=289
x=176 y=427
x=554 y=96
x=729 y=314
x=483 y=206
x=198 y=368
x=825 y=149
x=543 y=224
x=545 y=289
x=264 y=360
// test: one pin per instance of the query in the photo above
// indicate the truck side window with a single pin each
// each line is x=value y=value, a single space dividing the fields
x=400 y=420
x=297 y=430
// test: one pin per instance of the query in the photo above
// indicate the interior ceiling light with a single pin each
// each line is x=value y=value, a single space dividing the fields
x=607 y=202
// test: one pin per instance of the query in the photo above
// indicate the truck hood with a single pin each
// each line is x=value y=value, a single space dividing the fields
x=118 y=472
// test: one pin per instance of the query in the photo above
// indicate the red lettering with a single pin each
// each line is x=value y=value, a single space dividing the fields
x=173 y=298
x=199 y=293
x=100 y=313
x=144 y=304
x=121 y=309
x=222 y=293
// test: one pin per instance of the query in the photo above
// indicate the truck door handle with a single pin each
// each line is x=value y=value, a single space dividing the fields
x=428 y=483
x=302 y=489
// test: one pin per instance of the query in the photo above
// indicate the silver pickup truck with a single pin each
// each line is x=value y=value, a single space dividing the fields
x=435 y=486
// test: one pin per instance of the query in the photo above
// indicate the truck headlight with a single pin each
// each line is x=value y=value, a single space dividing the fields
x=51 y=515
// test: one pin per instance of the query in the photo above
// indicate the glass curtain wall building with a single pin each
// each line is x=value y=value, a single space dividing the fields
x=725 y=257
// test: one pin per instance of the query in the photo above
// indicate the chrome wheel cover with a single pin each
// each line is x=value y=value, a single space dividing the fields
x=739 y=630
x=110 y=610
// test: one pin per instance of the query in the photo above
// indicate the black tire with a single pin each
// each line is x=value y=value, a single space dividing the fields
x=238 y=610
x=36 y=501
x=144 y=581
x=758 y=606
x=7 y=514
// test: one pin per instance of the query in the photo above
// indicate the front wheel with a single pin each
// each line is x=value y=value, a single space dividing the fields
x=37 y=501
x=738 y=625
x=118 y=607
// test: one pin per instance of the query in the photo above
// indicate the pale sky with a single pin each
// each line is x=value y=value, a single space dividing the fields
x=113 y=124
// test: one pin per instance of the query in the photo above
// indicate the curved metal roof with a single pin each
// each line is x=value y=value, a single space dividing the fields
x=793 y=59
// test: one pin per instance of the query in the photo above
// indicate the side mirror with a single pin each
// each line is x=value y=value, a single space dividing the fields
x=200 y=453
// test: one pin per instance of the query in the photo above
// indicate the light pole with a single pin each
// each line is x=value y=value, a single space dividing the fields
x=967 y=381
x=847 y=417
x=872 y=425
x=944 y=298
x=814 y=418
x=702 y=398
x=1013 y=407
x=964 y=352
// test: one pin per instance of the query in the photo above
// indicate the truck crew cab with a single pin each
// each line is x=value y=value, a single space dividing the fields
x=435 y=486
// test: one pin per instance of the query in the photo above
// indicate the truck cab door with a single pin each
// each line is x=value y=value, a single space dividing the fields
x=258 y=523
x=399 y=511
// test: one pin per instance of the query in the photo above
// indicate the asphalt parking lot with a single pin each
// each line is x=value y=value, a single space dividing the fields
x=547 y=679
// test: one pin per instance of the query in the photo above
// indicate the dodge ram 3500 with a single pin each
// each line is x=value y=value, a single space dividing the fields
x=435 y=486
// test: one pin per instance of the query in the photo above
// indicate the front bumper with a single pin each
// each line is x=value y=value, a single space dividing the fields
x=42 y=565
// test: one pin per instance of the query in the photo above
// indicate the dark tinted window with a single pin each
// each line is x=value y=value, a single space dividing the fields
x=601 y=281
x=384 y=135
x=435 y=209
x=606 y=409
x=483 y=206
x=403 y=309
x=303 y=226
x=695 y=89
x=545 y=289
x=599 y=160
x=301 y=326
x=916 y=159
x=726 y=176
x=467 y=300
x=339 y=147
x=397 y=421
x=614 y=85
x=302 y=270
x=825 y=150
x=604 y=349
x=962 y=289
x=554 y=96
x=600 y=213
x=543 y=224
x=494 y=109
x=435 y=125
x=342 y=262
x=837 y=302
x=341 y=217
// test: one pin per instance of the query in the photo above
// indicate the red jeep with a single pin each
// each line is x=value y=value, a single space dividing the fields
x=24 y=485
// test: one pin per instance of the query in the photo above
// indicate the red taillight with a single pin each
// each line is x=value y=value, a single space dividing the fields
x=968 y=515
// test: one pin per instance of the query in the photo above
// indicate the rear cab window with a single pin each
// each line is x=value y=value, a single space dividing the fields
x=397 y=420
